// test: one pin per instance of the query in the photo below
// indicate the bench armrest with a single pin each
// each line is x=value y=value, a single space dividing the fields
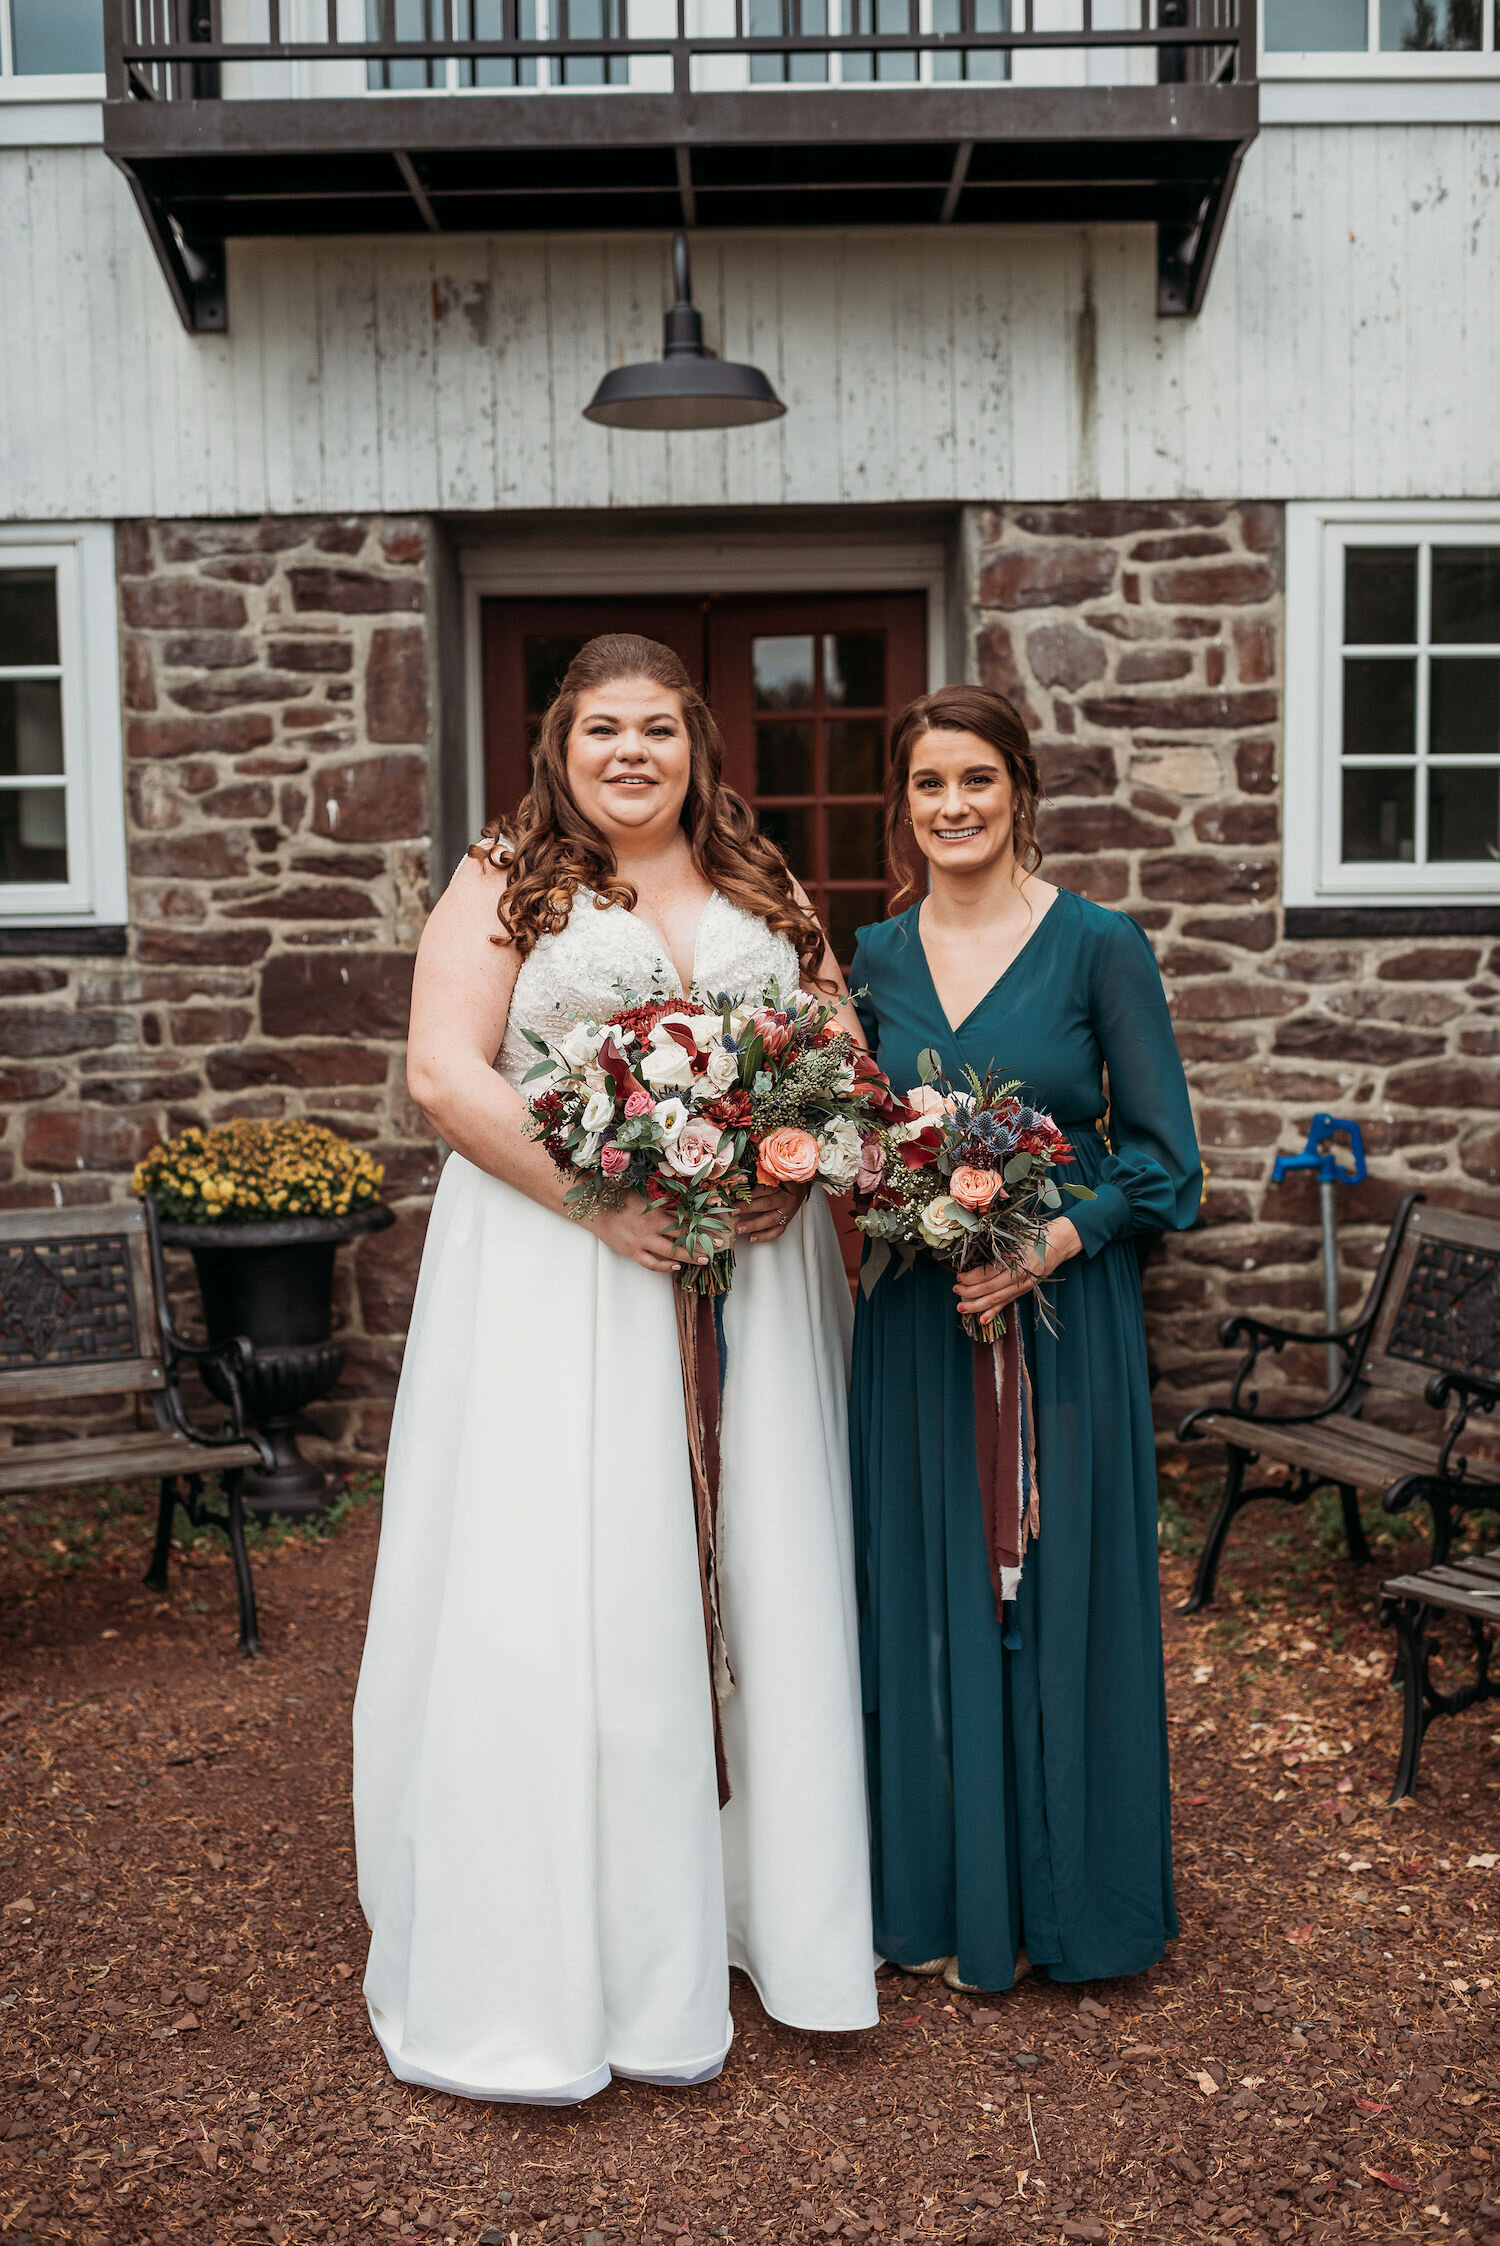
x=1474 y=1394
x=1264 y=1333
x=232 y=1361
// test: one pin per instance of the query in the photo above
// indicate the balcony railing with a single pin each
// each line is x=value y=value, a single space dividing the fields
x=375 y=116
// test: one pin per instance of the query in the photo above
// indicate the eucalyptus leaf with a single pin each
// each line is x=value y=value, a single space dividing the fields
x=873 y=1267
x=1079 y=1192
x=929 y=1063
x=1018 y=1167
x=542 y=1068
x=1051 y=1198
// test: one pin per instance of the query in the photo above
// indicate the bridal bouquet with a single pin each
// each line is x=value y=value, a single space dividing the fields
x=693 y=1104
x=969 y=1176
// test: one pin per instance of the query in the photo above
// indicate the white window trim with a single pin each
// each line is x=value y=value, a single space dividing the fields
x=95 y=895
x=1380 y=63
x=1317 y=533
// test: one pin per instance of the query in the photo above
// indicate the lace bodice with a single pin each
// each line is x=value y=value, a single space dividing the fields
x=607 y=958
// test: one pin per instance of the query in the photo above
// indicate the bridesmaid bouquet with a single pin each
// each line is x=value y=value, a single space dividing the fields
x=970 y=1177
x=692 y=1104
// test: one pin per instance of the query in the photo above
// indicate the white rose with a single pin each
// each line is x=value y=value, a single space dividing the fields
x=941 y=1222
x=583 y=1156
x=580 y=1045
x=599 y=1111
x=669 y=1117
x=706 y=1027
x=723 y=1071
x=840 y=1149
x=667 y=1068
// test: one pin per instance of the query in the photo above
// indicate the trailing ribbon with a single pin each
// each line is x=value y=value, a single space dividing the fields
x=1005 y=1442
x=700 y=1340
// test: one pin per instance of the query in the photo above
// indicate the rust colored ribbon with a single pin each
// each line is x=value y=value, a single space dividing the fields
x=698 y=1344
x=1005 y=1441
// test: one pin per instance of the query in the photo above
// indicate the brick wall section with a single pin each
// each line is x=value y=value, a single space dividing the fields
x=1144 y=645
x=276 y=721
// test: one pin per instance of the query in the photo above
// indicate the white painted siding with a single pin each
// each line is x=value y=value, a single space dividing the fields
x=1350 y=348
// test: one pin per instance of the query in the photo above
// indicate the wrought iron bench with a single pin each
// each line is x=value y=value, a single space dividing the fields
x=83 y=1313
x=1469 y=1591
x=1430 y=1327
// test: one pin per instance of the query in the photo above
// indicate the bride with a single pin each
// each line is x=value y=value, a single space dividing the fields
x=553 y=1894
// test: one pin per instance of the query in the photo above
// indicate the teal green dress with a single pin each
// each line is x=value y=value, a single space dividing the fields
x=1018 y=1791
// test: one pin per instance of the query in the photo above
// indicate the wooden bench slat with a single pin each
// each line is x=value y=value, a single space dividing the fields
x=129 y=1457
x=1452 y=1599
x=1348 y=1449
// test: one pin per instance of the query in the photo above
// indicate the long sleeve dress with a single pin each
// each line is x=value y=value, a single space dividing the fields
x=1019 y=1795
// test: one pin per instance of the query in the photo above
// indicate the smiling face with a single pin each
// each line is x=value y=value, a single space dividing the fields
x=961 y=802
x=629 y=761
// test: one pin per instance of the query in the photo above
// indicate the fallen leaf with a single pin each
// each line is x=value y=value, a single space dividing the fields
x=1206 y=2083
x=1371 y=2105
x=1196 y=1801
x=1390 y=2179
x=1484 y=1863
x=23 y=1907
x=1301 y=1935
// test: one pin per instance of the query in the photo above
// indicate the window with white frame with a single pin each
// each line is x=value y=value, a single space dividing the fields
x=1389 y=34
x=62 y=815
x=1393 y=705
x=51 y=46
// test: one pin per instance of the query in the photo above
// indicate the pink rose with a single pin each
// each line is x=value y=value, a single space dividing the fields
x=639 y=1103
x=871 y=1166
x=787 y=1157
x=693 y=1150
x=614 y=1161
x=976 y=1189
x=926 y=1101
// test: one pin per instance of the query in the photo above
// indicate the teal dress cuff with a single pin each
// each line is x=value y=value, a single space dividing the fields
x=1103 y=1220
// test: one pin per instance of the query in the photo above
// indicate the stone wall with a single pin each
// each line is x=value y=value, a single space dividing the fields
x=275 y=687
x=1144 y=645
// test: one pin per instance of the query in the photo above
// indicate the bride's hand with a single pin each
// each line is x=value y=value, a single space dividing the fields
x=987 y=1289
x=768 y=1212
x=645 y=1234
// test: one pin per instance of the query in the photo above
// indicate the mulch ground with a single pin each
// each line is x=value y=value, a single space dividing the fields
x=183 y=2051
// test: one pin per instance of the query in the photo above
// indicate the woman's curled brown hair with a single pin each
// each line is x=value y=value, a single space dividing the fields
x=960 y=709
x=551 y=850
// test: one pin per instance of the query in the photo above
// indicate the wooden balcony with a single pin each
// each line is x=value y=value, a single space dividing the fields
x=297 y=117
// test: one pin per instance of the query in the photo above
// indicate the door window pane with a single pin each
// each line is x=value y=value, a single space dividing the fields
x=855 y=850
x=1380 y=596
x=54 y=38
x=1317 y=27
x=784 y=760
x=1465 y=706
x=33 y=835
x=31 y=734
x=1429 y=26
x=1466 y=594
x=1379 y=817
x=782 y=669
x=28 y=616
x=856 y=756
x=849 y=910
x=792 y=833
x=1380 y=707
x=1463 y=814
x=854 y=669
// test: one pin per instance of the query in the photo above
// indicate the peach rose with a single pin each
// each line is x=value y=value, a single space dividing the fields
x=787 y=1157
x=976 y=1189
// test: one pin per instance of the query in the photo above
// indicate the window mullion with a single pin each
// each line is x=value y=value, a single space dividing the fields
x=1331 y=778
x=1424 y=698
x=1372 y=27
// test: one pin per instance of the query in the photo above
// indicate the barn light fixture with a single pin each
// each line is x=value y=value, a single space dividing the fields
x=687 y=387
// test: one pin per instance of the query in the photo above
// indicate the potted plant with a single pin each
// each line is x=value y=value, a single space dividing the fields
x=261 y=1208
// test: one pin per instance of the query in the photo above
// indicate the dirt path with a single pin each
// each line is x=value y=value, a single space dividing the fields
x=185 y=2054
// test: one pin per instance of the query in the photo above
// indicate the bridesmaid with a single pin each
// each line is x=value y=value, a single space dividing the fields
x=1018 y=1791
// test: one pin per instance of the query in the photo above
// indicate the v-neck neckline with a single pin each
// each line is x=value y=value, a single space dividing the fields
x=956 y=1029
x=685 y=989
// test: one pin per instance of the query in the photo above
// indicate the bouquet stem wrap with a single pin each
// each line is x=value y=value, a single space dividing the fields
x=700 y=1340
x=1005 y=1442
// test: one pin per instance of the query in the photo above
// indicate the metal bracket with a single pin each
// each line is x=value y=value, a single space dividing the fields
x=194 y=271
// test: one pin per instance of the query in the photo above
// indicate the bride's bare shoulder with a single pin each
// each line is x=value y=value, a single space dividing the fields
x=468 y=909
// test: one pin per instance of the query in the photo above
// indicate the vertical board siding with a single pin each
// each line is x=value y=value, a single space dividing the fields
x=1348 y=348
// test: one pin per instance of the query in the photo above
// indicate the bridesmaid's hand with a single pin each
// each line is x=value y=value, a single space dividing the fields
x=768 y=1212
x=990 y=1286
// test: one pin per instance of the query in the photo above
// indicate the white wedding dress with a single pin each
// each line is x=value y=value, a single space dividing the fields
x=553 y=1894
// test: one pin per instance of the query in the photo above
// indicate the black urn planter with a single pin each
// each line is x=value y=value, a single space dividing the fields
x=272 y=1280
